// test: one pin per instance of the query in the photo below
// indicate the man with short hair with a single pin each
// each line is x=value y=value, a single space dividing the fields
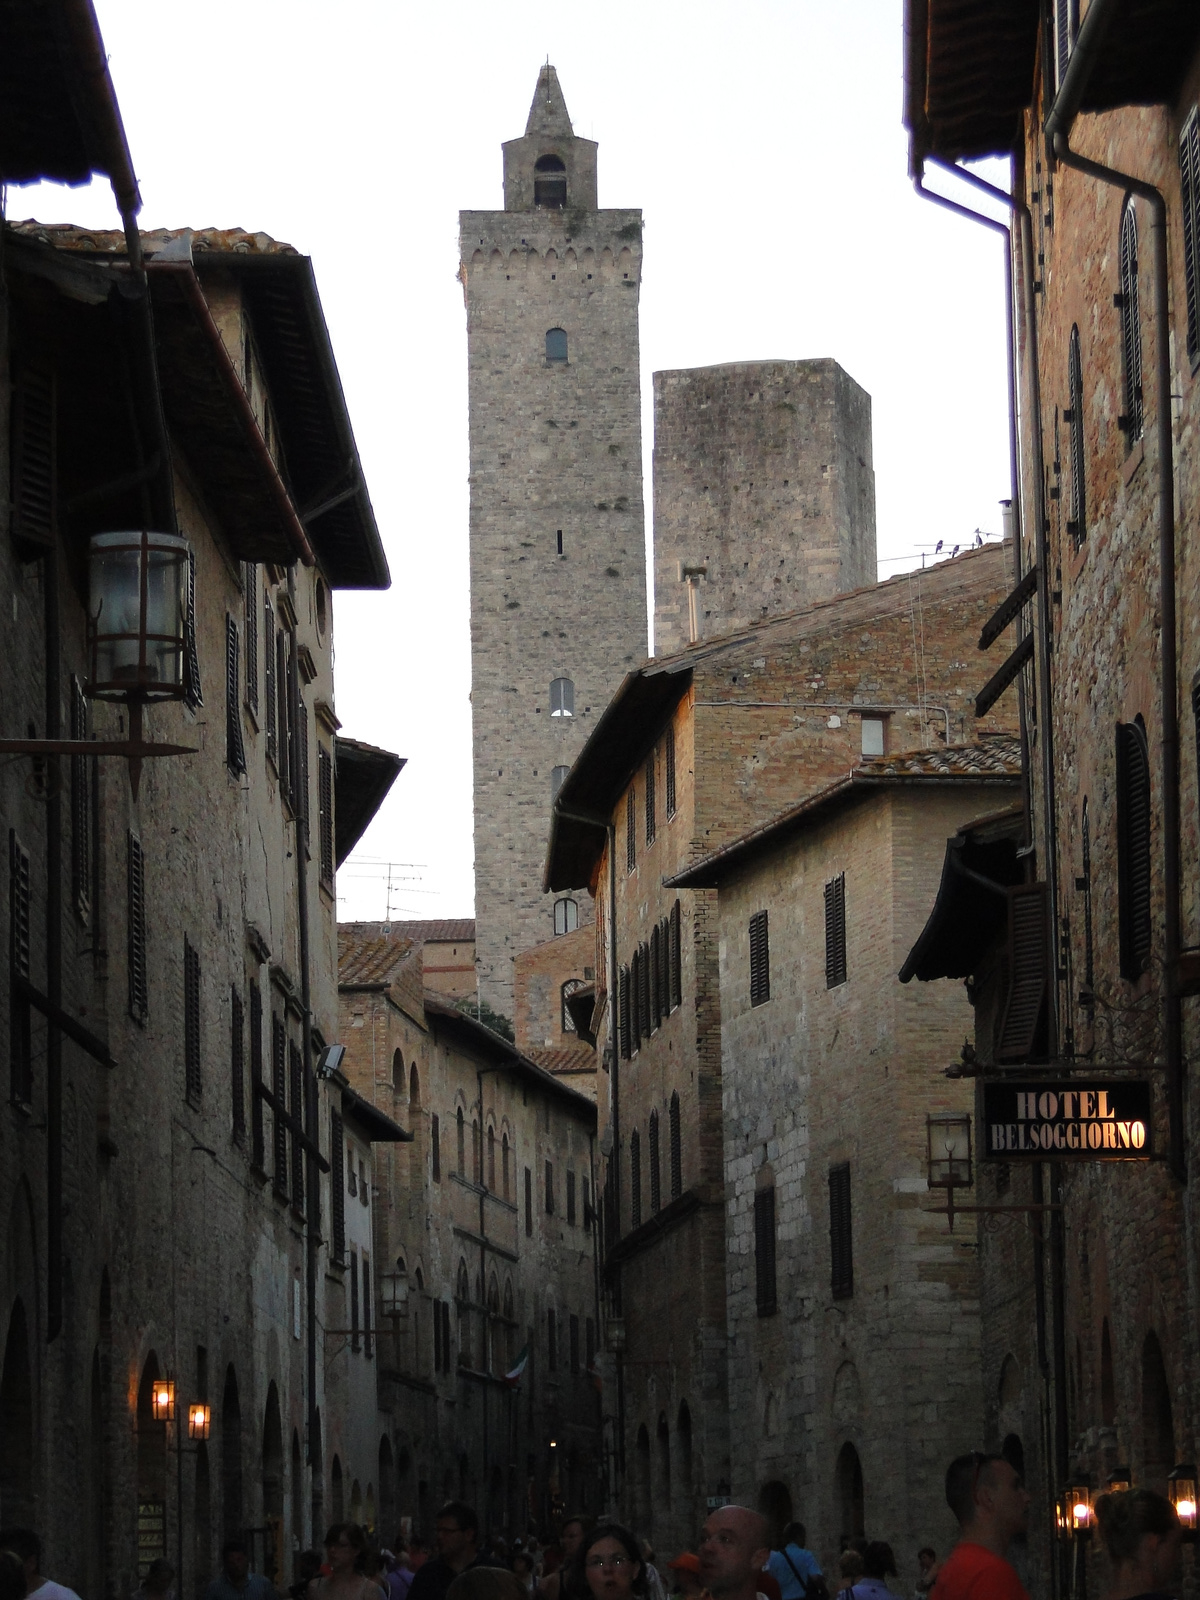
x=991 y=1504
x=235 y=1580
x=733 y=1551
x=27 y=1547
x=456 y=1532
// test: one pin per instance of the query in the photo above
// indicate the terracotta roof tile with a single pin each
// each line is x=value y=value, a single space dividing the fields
x=565 y=1058
x=444 y=930
x=999 y=756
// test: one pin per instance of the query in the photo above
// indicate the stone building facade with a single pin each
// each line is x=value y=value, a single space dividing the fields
x=484 y=1239
x=853 y=1311
x=1089 y=1335
x=763 y=477
x=171 y=974
x=696 y=750
x=558 y=584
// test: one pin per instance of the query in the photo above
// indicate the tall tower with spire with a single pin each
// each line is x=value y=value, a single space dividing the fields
x=558 y=583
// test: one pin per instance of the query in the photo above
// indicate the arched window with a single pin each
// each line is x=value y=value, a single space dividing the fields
x=1077 y=504
x=556 y=346
x=850 y=1498
x=557 y=779
x=491 y=1148
x=1131 y=326
x=462 y=1145
x=550 y=182
x=566 y=916
x=397 y=1070
x=504 y=1166
x=414 y=1087
x=562 y=698
x=476 y=1152
x=569 y=988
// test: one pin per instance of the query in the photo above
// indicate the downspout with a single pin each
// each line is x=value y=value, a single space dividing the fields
x=1058 y=131
x=54 y=1152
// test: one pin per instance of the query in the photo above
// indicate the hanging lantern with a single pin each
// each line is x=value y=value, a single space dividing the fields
x=394 y=1293
x=199 y=1420
x=1119 y=1479
x=162 y=1400
x=949 y=1151
x=139 y=606
x=1181 y=1490
x=1079 y=1509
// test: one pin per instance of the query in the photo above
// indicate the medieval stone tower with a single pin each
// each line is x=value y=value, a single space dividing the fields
x=558 y=587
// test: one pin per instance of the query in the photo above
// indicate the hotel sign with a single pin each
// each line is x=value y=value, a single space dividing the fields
x=1067 y=1121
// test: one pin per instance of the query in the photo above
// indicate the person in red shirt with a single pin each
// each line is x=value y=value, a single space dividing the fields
x=991 y=1504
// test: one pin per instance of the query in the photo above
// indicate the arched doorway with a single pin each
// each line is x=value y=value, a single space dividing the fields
x=1158 y=1427
x=684 y=1488
x=848 y=1493
x=232 y=1517
x=775 y=1503
x=16 y=1424
x=202 y=1539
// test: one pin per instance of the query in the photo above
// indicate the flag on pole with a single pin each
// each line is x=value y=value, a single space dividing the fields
x=513 y=1378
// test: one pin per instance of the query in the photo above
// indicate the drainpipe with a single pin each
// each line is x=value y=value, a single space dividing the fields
x=1045 y=723
x=1058 y=132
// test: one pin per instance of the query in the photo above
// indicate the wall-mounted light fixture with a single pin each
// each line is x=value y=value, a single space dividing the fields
x=162 y=1400
x=1181 y=1490
x=199 y=1420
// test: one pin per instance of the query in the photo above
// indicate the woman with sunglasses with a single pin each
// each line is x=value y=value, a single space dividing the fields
x=607 y=1566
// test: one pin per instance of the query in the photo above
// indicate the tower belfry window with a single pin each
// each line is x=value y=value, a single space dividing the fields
x=556 y=346
x=550 y=182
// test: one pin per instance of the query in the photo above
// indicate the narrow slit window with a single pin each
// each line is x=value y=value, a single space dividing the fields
x=676 y=956
x=676 y=1149
x=235 y=753
x=257 y=1151
x=556 y=347
x=635 y=1177
x=835 y=931
x=841 y=1238
x=435 y=1146
x=337 y=1185
x=237 y=1064
x=250 y=581
x=764 y=1252
x=528 y=1203
x=562 y=697
x=19 y=930
x=760 y=960
x=325 y=814
x=559 y=537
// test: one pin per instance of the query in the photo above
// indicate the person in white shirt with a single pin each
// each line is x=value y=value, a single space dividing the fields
x=27 y=1547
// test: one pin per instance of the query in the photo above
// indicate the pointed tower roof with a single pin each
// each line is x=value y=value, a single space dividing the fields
x=548 y=113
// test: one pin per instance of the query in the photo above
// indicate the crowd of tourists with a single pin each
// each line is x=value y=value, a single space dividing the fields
x=735 y=1557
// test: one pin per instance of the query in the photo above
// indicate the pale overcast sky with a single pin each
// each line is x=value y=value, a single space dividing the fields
x=763 y=143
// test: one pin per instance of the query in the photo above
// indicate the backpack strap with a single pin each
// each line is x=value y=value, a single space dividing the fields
x=796 y=1570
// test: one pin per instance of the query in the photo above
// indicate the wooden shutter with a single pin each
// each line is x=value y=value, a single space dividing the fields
x=237 y=1063
x=19 y=925
x=193 y=694
x=269 y=685
x=644 y=1003
x=283 y=714
x=1189 y=168
x=760 y=960
x=630 y=830
x=1133 y=848
x=337 y=1184
x=193 y=1079
x=81 y=807
x=139 y=998
x=676 y=956
x=651 y=819
x=669 y=762
x=528 y=1202
x=1028 y=964
x=654 y=1008
x=764 y=1252
x=235 y=753
x=257 y=1150
x=635 y=1177
x=835 y=931
x=34 y=463
x=279 y=1086
x=250 y=585
x=676 y=1149
x=1131 y=323
x=841 y=1238
x=625 y=1017
x=655 y=1174
x=435 y=1145
x=296 y=1073
x=325 y=818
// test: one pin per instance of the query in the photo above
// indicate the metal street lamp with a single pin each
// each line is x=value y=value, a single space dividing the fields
x=162 y=1400
x=1181 y=1489
x=1119 y=1479
x=138 y=593
x=199 y=1420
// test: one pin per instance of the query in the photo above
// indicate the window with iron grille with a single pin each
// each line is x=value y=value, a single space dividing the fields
x=82 y=770
x=296 y=1073
x=835 y=931
x=279 y=1086
x=1133 y=848
x=529 y=1202
x=625 y=1019
x=337 y=1185
x=355 y=1342
x=135 y=880
x=655 y=1176
x=676 y=956
x=1077 y=444
x=651 y=819
x=34 y=463
x=764 y=1252
x=1189 y=170
x=269 y=692
x=250 y=589
x=325 y=819
x=635 y=1177
x=235 y=752
x=571 y=1198
x=19 y=925
x=841 y=1241
x=549 y=1188
x=760 y=960
x=435 y=1146
x=630 y=830
x=552 y=1340
x=191 y=1024
x=258 y=1155
x=1131 y=326
x=237 y=1064
x=573 y=1343
x=669 y=764
x=676 y=1148
x=193 y=695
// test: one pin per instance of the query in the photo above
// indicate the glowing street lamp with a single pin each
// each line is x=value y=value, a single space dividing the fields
x=1181 y=1489
x=199 y=1420
x=162 y=1400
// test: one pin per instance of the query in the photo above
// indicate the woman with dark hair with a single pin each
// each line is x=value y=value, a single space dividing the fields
x=878 y=1565
x=607 y=1566
x=1141 y=1533
x=345 y=1545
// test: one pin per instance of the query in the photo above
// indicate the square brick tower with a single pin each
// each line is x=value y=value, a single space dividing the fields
x=558 y=582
